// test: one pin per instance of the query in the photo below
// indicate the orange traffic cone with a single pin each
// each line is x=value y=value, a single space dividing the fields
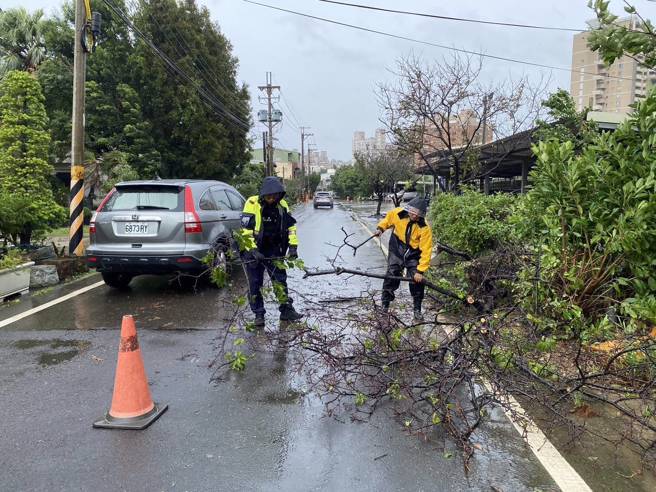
x=132 y=407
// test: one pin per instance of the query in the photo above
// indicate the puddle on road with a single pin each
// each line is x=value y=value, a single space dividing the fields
x=54 y=358
x=51 y=358
x=290 y=397
x=28 y=344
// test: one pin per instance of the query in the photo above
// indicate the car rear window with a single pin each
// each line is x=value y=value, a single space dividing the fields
x=323 y=194
x=146 y=198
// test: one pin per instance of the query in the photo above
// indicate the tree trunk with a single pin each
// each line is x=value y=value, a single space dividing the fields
x=25 y=236
x=380 y=203
x=456 y=176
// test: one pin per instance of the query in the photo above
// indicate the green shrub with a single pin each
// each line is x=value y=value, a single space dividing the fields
x=597 y=225
x=472 y=222
x=11 y=259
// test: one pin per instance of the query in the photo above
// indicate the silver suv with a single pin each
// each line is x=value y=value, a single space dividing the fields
x=161 y=226
x=323 y=199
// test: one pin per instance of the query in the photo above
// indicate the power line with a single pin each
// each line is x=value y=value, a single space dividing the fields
x=459 y=19
x=291 y=111
x=206 y=96
x=428 y=43
x=203 y=67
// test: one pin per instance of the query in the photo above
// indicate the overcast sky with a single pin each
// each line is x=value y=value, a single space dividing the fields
x=329 y=73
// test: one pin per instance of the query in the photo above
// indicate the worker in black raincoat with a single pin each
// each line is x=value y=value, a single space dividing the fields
x=410 y=248
x=268 y=233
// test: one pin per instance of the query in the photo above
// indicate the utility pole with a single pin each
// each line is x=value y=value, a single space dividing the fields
x=305 y=172
x=268 y=88
x=76 y=207
x=265 y=157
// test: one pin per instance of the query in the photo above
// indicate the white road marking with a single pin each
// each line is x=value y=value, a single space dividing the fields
x=37 y=309
x=565 y=476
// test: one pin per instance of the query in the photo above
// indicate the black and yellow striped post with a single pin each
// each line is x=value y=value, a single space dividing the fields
x=75 y=244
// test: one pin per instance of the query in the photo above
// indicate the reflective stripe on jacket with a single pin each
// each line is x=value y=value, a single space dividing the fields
x=251 y=223
x=420 y=241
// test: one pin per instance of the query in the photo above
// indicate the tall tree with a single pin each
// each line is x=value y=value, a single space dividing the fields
x=564 y=123
x=22 y=45
x=347 y=182
x=442 y=111
x=381 y=170
x=194 y=141
x=24 y=141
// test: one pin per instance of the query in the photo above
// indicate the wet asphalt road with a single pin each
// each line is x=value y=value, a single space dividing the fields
x=253 y=432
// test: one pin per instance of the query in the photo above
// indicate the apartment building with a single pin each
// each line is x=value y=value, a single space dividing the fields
x=609 y=89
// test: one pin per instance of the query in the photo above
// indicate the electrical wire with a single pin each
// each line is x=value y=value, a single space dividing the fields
x=458 y=19
x=435 y=45
x=181 y=47
x=206 y=96
x=289 y=108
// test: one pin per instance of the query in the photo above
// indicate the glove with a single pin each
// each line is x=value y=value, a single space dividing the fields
x=256 y=256
x=293 y=252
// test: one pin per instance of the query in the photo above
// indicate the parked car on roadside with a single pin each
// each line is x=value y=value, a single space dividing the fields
x=405 y=196
x=162 y=226
x=409 y=195
x=323 y=199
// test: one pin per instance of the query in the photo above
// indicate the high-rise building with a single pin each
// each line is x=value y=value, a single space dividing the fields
x=363 y=145
x=358 y=138
x=602 y=88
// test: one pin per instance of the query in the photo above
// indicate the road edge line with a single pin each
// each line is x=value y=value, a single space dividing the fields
x=564 y=474
x=42 y=307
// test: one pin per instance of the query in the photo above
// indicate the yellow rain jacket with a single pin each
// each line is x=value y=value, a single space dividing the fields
x=411 y=244
x=251 y=223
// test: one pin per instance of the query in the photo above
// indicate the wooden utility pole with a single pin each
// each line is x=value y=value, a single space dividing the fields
x=265 y=156
x=269 y=95
x=76 y=208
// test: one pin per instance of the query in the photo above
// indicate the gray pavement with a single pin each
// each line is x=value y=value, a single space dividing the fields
x=255 y=431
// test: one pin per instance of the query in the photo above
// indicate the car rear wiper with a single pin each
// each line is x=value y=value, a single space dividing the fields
x=151 y=207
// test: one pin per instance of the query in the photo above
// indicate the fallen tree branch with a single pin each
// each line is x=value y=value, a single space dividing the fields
x=338 y=271
x=453 y=252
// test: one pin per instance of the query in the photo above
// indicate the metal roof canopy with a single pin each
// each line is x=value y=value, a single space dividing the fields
x=502 y=158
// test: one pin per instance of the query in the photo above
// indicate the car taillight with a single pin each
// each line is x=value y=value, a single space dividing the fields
x=92 y=259
x=191 y=219
x=185 y=259
x=92 y=222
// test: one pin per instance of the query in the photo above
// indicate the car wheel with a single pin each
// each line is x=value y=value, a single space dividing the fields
x=316 y=206
x=117 y=280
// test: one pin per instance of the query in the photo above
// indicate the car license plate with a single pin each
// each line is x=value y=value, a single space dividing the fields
x=136 y=228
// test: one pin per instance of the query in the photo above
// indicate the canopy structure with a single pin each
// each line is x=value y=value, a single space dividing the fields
x=504 y=164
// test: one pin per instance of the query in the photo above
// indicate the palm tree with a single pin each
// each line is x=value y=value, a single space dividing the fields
x=22 y=45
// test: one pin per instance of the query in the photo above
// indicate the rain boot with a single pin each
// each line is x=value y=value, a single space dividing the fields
x=259 y=321
x=418 y=316
x=288 y=313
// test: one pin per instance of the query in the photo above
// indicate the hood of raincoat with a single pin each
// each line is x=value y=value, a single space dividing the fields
x=270 y=186
x=417 y=206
